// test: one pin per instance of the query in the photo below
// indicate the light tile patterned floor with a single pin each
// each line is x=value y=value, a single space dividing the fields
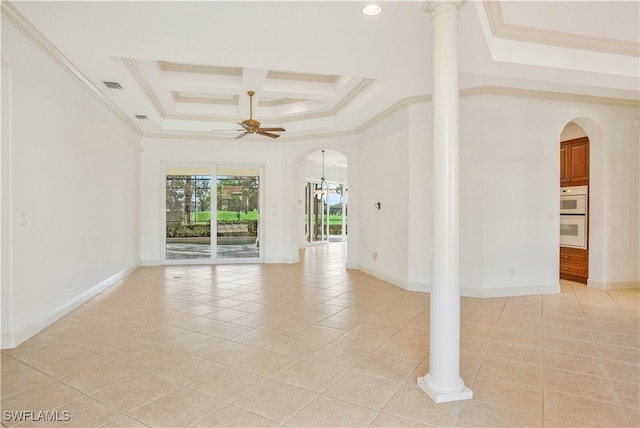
x=312 y=344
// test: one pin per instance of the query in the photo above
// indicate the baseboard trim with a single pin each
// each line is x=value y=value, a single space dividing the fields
x=11 y=340
x=388 y=278
x=509 y=291
x=613 y=285
x=283 y=260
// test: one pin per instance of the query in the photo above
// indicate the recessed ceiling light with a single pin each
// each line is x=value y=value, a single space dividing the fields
x=371 y=10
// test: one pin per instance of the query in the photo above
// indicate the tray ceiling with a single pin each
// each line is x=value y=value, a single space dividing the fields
x=321 y=68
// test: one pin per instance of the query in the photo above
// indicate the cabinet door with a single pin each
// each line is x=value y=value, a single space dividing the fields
x=579 y=163
x=564 y=165
x=574 y=162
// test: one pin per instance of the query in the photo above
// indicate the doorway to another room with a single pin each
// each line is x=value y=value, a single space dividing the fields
x=326 y=197
x=574 y=204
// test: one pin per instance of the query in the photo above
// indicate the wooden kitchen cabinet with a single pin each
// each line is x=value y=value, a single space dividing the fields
x=574 y=162
x=574 y=264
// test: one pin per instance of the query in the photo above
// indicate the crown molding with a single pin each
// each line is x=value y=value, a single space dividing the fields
x=555 y=38
x=29 y=31
x=548 y=95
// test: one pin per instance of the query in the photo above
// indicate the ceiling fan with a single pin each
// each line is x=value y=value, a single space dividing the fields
x=252 y=126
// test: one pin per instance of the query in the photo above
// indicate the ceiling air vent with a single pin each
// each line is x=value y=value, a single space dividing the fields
x=112 y=85
x=141 y=117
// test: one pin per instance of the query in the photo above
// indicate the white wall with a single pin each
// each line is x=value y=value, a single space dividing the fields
x=509 y=186
x=73 y=178
x=510 y=182
x=384 y=177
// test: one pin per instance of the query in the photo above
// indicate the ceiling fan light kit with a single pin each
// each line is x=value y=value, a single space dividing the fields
x=252 y=126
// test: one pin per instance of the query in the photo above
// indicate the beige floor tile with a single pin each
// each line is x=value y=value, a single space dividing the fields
x=22 y=379
x=135 y=392
x=619 y=370
x=186 y=370
x=516 y=371
x=37 y=350
x=321 y=334
x=195 y=324
x=414 y=404
x=275 y=400
x=330 y=412
x=619 y=353
x=311 y=375
x=628 y=328
x=48 y=396
x=476 y=331
x=515 y=352
x=338 y=322
x=262 y=362
x=9 y=364
x=183 y=407
x=153 y=357
x=393 y=369
x=568 y=332
x=225 y=353
x=560 y=360
x=586 y=348
x=317 y=321
x=597 y=388
x=579 y=411
x=385 y=420
x=503 y=392
x=225 y=331
x=360 y=341
x=86 y=413
x=338 y=356
x=404 y=349
x=194 y=343
x=231 y=416
x=625 y=340
x=628 y=393
x=368 y=391
x=633 y=416
x=124 y=422
x=478 y=414
x=102 y=376
x=473 y=345
x=163 y=335
x=227 y=384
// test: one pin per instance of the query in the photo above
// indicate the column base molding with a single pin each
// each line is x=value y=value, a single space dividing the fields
x=444 y=395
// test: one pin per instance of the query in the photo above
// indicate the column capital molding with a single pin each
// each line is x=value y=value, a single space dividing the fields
x=430 y=5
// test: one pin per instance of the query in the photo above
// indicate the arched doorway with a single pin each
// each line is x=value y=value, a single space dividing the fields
x=326 y=197
x=574 y=203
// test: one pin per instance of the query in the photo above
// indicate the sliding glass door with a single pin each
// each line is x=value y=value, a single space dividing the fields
x=238 y=214
x=188 y=214
x=212 y=215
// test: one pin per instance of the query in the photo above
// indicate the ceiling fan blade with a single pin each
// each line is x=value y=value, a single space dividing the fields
x=273 y=129
x=246 y=128
x=267 y=134
x=241 y=135
x=227 y=130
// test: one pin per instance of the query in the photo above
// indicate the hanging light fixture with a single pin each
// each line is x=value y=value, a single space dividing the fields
x=323 y=181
